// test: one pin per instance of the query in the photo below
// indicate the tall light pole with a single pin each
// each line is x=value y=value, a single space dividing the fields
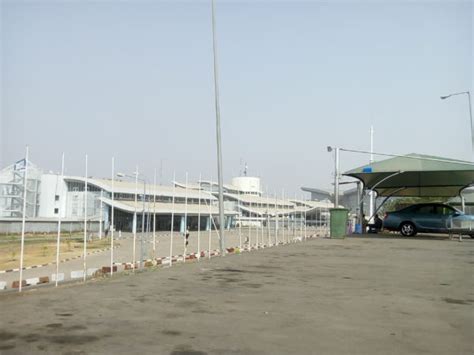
x=336 y=175
x=470 y=113
x=371 y=193
x=218 y=136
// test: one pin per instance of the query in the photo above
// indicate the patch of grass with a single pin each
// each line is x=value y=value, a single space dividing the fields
x=42 y=251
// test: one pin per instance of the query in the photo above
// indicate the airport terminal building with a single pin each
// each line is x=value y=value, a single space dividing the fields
x=50 y=196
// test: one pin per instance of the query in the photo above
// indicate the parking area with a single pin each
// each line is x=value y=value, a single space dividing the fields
x=365 y=295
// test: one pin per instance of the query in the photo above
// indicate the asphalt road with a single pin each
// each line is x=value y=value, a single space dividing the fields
x=354 y=296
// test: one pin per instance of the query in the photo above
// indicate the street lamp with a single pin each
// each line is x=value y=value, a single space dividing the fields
x=218 y=135
x=336 y=174
x=135 y=220
x=470 y=113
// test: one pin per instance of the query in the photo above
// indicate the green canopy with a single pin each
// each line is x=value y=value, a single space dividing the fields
x=416 y=175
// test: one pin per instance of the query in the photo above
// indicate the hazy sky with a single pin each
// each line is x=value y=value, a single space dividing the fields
x=134 y=80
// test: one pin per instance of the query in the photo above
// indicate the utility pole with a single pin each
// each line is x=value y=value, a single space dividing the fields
x=371 y=193
x=218 y=136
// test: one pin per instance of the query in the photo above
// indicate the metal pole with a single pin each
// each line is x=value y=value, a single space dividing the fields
x=472 y=126
x=240 y=223
x=218 y=136
x=276 y=219
x=23 y=218
x=143 y=226
x=283 y=215
x=85 y=227
x=101 y=215
x=301 y=219
x=172 y=220
x=250 y=224
x=135 y=221
x=295 y=221
x=359 y=209
x=185 y=247
x=262 y=218
x=305 y=222
x=463 y=203
x=371 y=192
x=268 y=217
x=199 y=221
x=154 y=216
x=58 y=241
x=336 y=178
x=112 y=226
x=210 y=223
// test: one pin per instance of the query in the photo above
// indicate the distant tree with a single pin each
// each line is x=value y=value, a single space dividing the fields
x=397 y=203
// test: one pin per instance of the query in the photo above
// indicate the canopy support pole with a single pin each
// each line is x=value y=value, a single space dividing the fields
x=385 y=200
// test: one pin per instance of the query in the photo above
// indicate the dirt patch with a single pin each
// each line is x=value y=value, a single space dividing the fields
x=73 y=339
x=30 y=338
x=230 y=270
x=77 y=327
x=171 y=332
x=251 y=285
x=7 y=336
x=456 y=301
x=7 y=346
x=54 y=325
x=187 y=352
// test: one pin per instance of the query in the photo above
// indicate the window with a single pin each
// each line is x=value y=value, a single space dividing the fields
x=428 y=209
x=56 y=198
x=444 y=210
x=56 y=210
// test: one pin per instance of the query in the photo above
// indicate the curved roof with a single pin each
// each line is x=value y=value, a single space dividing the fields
x=128 y=187
x=416 y=175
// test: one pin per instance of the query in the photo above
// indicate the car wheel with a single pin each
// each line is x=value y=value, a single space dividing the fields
x=407 y=229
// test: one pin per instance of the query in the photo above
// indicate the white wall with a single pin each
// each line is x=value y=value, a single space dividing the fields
x=52 y=185
x=247 y=184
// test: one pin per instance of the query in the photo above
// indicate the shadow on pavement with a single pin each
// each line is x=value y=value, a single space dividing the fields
x=420 y=236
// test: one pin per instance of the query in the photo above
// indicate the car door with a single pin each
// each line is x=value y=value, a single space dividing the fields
x=445 y=213
x=426 y=218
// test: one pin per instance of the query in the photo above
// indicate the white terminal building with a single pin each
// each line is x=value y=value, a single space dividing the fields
x=49 y=196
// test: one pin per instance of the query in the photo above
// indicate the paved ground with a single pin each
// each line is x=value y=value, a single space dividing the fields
x=358 y=295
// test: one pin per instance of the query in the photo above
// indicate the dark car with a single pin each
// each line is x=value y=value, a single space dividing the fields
x=425 y=217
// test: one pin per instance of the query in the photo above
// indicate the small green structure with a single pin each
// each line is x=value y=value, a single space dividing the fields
x=338 y=222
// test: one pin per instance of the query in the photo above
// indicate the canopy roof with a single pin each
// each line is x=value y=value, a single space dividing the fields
x=416 y=175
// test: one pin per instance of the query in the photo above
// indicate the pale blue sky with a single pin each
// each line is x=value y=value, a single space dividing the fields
x=134 y=80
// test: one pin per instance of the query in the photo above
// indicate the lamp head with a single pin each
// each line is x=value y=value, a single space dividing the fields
x=444 y=97
x=329 y=148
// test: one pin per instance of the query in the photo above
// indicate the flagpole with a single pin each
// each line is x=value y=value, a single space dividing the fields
x=154 y=216
x=23 y=219
x=185 y=219
x=84 y=266
x=135 y=222
x=112 y=227
x=172 y=220
x=210 y=223
x=250 y=224
x=240 y=222
x=199 y=220
x=276 y=219
x=58 y=241
x=268 y=217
